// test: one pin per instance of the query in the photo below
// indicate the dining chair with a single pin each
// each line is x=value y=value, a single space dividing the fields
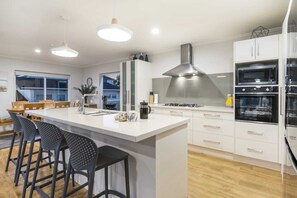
x=19 y=104
x=62 y=104
x=48 y=104
x=33 y=106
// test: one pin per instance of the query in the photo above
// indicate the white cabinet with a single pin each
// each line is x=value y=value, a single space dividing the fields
x=263 y=48
x=136 y=83
x=214 y=130
x=181 y=113
x=258 y=141
x=292 y=45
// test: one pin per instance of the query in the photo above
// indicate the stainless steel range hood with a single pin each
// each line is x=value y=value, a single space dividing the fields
x=186 y=67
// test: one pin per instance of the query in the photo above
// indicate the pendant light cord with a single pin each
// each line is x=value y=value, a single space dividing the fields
x=114 y=8
x=64 y=30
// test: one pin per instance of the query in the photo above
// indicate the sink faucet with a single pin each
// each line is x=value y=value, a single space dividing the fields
x=81 y=108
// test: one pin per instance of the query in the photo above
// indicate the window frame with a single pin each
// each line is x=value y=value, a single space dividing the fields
x=44 y=76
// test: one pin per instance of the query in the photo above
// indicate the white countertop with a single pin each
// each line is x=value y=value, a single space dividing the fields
x=203 y=108
x=106 y=124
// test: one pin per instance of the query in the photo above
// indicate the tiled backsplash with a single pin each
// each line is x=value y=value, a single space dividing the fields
x=207 y=89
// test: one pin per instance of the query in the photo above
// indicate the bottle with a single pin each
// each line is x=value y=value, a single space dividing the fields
x=229 y=101
x=146 y=58
x=141 y=57
x=151 y=100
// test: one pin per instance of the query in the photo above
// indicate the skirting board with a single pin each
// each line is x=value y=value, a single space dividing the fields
x=234 y=157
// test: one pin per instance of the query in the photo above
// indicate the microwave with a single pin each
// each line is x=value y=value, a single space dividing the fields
x=291 y=71
x=257 y=74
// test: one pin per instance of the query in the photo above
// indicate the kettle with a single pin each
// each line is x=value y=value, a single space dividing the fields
x=145 y=109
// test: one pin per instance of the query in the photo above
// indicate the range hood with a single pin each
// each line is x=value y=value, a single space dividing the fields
x=186 y=67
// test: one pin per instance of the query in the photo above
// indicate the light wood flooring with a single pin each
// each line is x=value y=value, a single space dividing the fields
x=209 y=177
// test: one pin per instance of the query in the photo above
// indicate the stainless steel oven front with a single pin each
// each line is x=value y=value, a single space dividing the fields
x=257 y=104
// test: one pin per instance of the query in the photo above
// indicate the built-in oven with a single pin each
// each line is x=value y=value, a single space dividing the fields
x=257 y=104
x=264 y=73
x=291 y=76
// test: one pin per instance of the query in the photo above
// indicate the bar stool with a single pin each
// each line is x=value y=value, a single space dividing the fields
x=17 y=128
x=52 y=139
x=85 y=155
x=30 y=135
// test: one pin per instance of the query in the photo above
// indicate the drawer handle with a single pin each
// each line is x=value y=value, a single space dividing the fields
x=255 y=133
x=176 y=112
x=293 y=137
x=254 y=150
x=212 y=142
x=210 y=126
x=211 y=115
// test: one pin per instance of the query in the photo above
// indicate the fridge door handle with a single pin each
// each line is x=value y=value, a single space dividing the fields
x=282 y=101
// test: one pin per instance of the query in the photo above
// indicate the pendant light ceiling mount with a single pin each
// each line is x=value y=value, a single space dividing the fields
x=64 y=50
x=114 y=32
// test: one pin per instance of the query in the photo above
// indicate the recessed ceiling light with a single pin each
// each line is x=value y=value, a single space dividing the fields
x=38 y=51
x=155 y=31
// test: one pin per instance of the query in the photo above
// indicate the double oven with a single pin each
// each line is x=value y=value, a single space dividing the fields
x=257 y=92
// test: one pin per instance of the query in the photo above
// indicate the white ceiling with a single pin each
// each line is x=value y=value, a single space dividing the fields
x=26 y=25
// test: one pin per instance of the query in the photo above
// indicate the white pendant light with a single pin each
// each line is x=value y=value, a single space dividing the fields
x=64 y=50
x=114 y=32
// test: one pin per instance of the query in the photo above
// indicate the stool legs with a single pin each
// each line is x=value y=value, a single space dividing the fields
x=10 y=151
x=106 y=182
x=69 y=170
x=91 y=183
x=127 y=178
x=36 y=171
x=19 y=156
x=28 y=169
x=20 y=164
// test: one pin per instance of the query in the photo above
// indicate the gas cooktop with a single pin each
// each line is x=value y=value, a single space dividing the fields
x=183 y=105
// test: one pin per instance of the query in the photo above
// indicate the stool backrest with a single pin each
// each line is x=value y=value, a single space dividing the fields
x=62 y=104
x=51 y=136
x=17 y=127
x=34 y=106
x=83 y=151
x=28 y=127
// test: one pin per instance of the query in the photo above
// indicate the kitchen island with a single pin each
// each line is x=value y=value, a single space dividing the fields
x=157 y=148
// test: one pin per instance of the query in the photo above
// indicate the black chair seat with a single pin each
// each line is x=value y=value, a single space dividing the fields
x=108 y=155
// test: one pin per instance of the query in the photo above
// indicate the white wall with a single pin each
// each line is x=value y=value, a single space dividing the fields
x=210 y=58
x=10 y=65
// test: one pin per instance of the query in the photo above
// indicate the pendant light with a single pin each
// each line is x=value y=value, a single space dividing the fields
x=64 y=50
x=114 y=32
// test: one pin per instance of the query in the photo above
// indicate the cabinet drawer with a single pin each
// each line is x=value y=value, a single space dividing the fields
x=160 y=111
x=213 y=115
x=215 y=126
x=258 y=132
x=218 y=142
x=259 y=150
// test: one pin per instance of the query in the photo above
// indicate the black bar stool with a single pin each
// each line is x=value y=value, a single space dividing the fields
x=17 y=128
x=85 y=155
x=30 y=135
x=52 y=139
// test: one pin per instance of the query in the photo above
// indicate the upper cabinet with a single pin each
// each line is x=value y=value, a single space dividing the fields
x=263 y=48
x=136 y=83
x=292 y=45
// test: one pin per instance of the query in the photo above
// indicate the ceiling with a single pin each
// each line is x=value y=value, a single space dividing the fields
x=30 y=24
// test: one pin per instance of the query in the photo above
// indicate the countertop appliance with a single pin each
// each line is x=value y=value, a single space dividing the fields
x=186 y=68
x=265 y=73
x=257 y=104
x=183 y=105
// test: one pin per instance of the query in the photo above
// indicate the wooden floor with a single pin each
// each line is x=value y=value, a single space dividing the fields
x=209 y=177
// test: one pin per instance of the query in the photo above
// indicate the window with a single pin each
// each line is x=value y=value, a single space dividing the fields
x=34 y=88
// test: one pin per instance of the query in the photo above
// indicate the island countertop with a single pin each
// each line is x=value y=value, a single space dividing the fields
x=106 y=124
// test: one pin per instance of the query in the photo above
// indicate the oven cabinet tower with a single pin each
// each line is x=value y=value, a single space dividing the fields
x=259 y=141
x=136 y=84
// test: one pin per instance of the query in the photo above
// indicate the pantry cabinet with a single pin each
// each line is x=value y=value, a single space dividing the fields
x=136 y=84
x=258 y=49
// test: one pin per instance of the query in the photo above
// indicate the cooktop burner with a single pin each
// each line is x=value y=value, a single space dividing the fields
x=183 y=105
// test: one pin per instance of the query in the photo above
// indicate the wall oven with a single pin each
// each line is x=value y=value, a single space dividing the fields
x=257 y=73
x=257 y=104
x=291 y=76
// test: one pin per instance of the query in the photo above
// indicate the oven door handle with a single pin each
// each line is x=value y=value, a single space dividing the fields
x=258 y=93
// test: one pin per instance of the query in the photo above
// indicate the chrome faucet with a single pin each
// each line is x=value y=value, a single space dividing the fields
x=81 y=108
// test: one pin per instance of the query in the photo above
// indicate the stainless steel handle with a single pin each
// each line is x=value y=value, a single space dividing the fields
x=211 y=115
x=128 y=97
x=212 y=142
x=258 y=48
x=255 y=133
x=252 y=49
x=211 y=126
x=254 y=150
x=282 y=108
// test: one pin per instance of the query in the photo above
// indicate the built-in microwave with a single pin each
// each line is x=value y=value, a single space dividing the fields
x=291 y=75
x=265 y=73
